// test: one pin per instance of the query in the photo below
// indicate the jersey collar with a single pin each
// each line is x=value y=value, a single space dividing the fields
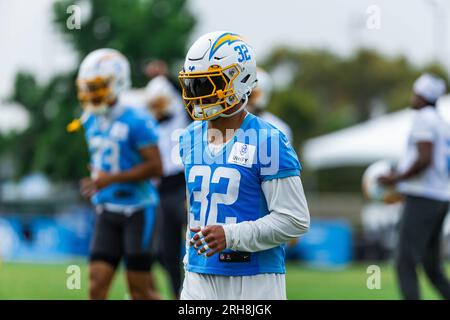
x=243 y=127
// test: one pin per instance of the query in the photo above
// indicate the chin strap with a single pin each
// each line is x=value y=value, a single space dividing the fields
x=242 y=107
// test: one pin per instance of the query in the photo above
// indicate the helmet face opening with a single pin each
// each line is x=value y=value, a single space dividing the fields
x=95 y=92
x=203 y=86
x=210 y=93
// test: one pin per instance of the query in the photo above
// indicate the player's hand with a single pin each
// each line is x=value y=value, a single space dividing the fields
x=87 y=188
x=103 y=179
x=388 y=180
x=208 y=240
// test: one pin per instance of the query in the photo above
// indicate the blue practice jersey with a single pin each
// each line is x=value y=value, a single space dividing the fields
x=114 y=142
x=225 y=187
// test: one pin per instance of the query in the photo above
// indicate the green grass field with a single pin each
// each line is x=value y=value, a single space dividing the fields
x=48 y=281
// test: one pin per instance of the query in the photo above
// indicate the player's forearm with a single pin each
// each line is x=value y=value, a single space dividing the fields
x=417 y=167
x=423 y=161
x=288 y=218
x=140 y=172
x=265 y=233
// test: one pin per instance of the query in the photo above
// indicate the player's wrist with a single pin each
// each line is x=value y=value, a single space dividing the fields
x=398 y=177
x=115 y=178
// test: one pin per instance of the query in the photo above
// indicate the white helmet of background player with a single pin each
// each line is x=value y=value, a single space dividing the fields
x=219 y=72
x=159 y=94
x=261 y=95
x=102 y=76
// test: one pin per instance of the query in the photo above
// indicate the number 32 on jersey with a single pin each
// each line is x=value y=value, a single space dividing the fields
x=209 y=217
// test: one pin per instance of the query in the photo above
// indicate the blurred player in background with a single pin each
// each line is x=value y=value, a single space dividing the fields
x=243 y=203
x=260 y=99
x=124 y=156
x=157 y=68
x=423 y=177
x=165 y=103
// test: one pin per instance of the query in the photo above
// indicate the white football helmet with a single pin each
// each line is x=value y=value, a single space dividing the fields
x=160 y=93
x=159 y=86
x=375 y=191
x=261 y=95
x=219 y=73
x=103 y=75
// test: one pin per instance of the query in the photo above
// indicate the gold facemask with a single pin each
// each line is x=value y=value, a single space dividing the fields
x=95 y=93
x=208 y=91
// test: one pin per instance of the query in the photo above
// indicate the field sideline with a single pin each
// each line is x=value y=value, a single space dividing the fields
x=48 y=281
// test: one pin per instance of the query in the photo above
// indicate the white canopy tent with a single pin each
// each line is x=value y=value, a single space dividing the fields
x=380 y=138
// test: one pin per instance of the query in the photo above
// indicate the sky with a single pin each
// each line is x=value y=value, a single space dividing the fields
x=415 y=28
x=406 y=26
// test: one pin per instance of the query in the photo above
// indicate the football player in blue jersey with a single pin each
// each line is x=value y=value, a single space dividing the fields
x=244 y=193
x=124 y=155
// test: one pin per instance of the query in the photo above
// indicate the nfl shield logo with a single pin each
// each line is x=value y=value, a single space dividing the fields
x=244 y=149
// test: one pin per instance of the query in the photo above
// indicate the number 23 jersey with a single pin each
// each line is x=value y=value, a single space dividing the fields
x=114 y=142
x=225 y=187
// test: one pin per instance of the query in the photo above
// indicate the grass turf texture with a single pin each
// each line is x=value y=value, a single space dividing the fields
x=48 y=281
